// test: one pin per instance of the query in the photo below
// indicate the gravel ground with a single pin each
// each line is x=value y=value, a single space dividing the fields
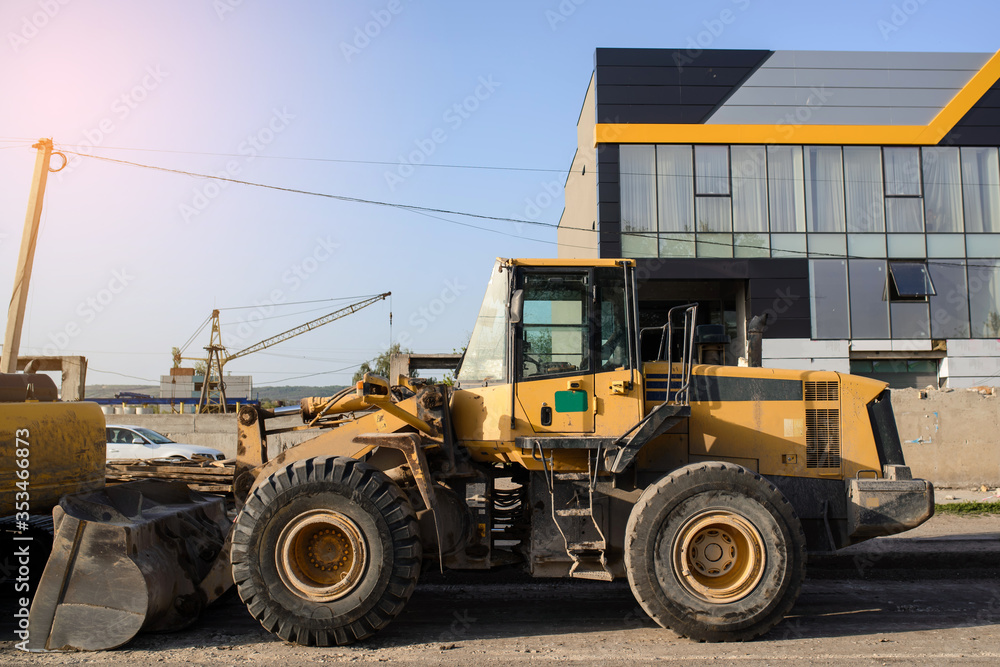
x=504 y=617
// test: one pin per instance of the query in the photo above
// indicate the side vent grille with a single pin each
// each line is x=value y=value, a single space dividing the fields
x=823 y=438
x=821 y=391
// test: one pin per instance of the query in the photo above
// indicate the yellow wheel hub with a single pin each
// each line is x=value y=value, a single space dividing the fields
x=719 y=556
x=322 y=555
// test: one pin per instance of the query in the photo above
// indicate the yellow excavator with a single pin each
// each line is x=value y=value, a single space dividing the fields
x=573 y=442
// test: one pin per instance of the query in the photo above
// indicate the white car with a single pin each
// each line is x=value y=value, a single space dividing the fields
x=136 y=442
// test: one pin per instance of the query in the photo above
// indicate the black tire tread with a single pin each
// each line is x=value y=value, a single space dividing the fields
x=665 y=487
x=395 y=509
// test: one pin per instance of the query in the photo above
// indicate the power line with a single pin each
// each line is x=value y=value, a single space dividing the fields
x=296 y=303
x=354 y=200
x=298 y=377
x=321 y=159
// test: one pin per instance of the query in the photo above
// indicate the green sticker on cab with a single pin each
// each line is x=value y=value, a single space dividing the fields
x=571 y=401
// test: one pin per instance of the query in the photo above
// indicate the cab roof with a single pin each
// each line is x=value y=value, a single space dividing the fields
x=567 y=262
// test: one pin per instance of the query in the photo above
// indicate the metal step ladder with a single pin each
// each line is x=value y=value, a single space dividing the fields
x=589 y=557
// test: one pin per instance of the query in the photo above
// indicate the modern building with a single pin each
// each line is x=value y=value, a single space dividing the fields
x=853 y=197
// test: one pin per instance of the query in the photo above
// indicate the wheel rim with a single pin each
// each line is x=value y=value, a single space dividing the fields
x=719 y=556
x=321 y=555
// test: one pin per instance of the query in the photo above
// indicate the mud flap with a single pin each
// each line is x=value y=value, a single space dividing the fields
x=126 y=559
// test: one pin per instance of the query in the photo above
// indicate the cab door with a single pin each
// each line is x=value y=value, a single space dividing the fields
x=553 y=358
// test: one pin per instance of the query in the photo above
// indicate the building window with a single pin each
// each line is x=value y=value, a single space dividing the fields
x=824 y=177
x=942 y=190
x=869 y=311
x=749 y=176
x=899 y=373
x=902 y=172
x=714 y=214
x=950 y=303
x=785 y=188
x=909 y=281
x=711 y=176
x=904 y=212
x=863 y=186
x=638 y=188
x=984 y=298
x=828 y=296
x=675 y=199
x=981 y=189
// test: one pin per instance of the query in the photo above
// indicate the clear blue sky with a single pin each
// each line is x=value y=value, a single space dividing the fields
x=294 y=94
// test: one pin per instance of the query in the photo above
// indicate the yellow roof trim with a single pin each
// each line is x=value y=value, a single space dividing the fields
x=920 y=135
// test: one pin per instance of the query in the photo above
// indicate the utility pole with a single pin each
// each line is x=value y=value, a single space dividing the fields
x=15 y=313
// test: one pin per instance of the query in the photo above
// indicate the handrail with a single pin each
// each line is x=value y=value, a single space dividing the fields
x=682 y=395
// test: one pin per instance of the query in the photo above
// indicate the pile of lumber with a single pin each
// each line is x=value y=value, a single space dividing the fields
x=208 y=476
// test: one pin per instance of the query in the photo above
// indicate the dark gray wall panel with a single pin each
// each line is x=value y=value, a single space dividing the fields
x=678 y=57
x=981 y=125
x=667 y=86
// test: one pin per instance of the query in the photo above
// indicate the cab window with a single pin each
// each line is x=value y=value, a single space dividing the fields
x=555 y=325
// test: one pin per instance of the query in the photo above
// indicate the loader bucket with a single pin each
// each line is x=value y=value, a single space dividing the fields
x=126 y=559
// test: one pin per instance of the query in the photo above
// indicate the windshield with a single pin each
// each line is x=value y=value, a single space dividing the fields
x=485 y=357
x=154 y=437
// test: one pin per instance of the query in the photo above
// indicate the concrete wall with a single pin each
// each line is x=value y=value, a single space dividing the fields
x=577 y=233
x=218 y=431
x=950 y=437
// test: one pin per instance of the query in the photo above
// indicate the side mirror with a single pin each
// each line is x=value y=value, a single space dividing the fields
x=516 y=308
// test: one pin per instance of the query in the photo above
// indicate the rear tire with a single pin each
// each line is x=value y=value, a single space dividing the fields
x=326 y=551
x=715 y=552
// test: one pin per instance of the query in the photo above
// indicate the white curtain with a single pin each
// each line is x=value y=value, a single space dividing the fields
x=675 y=194
x=902 y=171
x=711 y=170
x=784 y=178
x=749 y=189
x=824 y=173
x=863 y=189
x=942 y=190
x=637 y=171
x=981 y=186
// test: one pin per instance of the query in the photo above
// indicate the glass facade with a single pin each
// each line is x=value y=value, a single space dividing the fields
x=683 y=200
x=873 y=221
x=886 y=299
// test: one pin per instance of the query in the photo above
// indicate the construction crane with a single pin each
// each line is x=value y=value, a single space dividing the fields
x=213 y=388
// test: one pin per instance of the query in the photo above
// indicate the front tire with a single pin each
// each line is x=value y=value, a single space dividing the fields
x=715 y=552
x=326 y=551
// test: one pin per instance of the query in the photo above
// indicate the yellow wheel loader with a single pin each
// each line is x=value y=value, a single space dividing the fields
x=578 y=445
